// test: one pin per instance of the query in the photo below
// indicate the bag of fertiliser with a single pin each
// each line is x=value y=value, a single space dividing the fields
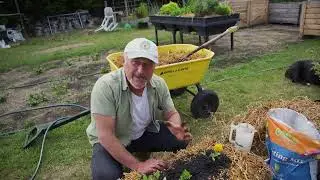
x=293 y=144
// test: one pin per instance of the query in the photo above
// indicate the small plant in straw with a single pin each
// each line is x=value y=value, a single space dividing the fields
x=185 y=175
x=154 y=176
x=217 y=149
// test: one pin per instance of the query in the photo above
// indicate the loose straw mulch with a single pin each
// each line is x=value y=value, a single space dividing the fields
x=257 y=117
x=243 y=166
x=247 y=165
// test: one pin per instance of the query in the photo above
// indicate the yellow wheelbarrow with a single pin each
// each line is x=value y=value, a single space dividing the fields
x=179 y=76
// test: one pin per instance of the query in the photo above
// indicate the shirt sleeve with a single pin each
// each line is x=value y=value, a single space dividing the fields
x=167 y=103
x=102 y=99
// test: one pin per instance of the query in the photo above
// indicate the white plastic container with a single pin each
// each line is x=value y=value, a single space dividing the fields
x=244 y=134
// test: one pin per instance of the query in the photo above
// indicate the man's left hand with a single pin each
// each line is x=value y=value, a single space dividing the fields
x=180 y=131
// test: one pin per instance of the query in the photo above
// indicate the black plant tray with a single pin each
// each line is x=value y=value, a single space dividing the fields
x=204 y=26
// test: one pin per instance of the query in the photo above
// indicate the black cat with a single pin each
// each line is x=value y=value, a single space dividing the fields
x=302 y=72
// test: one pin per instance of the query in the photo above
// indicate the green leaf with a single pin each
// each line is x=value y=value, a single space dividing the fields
x=186 y=175
x=157 y=174
x=145 y=177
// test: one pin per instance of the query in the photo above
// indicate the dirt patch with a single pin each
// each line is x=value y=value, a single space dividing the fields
x=65 y=47
x=201 y=166
x=255 y=41
x=59 y=83
x=236 y=164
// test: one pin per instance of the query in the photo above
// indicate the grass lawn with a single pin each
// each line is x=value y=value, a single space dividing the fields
x=37 y=50
x=67 y=151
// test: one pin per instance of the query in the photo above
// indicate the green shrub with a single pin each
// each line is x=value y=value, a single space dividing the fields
x=203 y=8
x=171 y=9
x=186 y=10
x=142 y=11
x=212 y=4
x=223 y=9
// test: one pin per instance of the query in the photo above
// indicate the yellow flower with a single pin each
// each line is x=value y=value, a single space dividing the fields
x=218 y=148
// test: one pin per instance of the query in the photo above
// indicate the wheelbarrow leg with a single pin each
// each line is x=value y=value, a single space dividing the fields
x=156 y=32
x=181 y=36
x=174 y=36
x=199 y=88
x=231 y=39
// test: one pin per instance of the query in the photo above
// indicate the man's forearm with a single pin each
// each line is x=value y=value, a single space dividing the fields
x=174 y=117
x=118 y=151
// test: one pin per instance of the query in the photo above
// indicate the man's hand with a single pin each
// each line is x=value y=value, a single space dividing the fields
x=151 y=165
x=180 y=131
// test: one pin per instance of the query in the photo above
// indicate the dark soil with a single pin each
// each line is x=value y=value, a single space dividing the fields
x=200 y=167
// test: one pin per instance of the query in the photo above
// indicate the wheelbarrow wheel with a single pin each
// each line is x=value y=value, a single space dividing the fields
x=204 y=103
x=177 y=92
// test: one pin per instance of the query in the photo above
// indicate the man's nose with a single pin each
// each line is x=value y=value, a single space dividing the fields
x=140 y=69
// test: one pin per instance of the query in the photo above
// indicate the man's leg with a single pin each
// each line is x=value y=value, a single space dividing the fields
x=103 y=166
x=155 y=142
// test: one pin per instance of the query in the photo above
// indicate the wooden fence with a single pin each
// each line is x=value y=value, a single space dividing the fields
x=310 y=18
x=288 y=13
x=252 y=12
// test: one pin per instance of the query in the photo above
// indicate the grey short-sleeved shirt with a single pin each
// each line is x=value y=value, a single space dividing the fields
x=111 y=96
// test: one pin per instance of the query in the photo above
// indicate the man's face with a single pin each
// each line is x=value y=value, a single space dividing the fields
x=138 y=71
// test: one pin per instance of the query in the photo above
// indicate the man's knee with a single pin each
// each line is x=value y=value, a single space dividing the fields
x=103 y=166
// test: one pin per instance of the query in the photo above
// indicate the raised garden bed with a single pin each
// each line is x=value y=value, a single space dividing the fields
x=203 y=26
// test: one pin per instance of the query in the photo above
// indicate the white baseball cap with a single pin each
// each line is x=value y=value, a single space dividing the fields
x=142 y=47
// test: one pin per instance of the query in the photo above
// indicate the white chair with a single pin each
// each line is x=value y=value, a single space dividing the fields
x=109 y=22
x=14 y=35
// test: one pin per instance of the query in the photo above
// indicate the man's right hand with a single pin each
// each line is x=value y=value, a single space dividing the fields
x=151 y=165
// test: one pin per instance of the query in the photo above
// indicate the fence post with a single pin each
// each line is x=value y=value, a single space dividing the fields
x=267 y=12
x=249 y=13
x=302 y=18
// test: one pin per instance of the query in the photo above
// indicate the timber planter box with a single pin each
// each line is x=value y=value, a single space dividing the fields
x=204 y=26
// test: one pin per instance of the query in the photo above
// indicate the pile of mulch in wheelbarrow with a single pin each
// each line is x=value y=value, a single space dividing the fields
x=257 y=117
x=167 y=57
x=231 y=164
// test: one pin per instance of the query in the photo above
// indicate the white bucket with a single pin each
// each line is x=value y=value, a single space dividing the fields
x=243 y=136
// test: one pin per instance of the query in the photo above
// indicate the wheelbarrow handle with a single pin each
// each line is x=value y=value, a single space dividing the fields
x=229 y=30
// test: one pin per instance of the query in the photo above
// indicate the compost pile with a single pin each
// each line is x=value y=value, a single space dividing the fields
x=257 y=117
x=167 y=57
x=233 y=164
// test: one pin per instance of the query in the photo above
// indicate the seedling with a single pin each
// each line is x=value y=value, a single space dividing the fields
x=95 y=57
x=38 y=70
x=37 y=98
x=154 y=176
x=3 y=98
x=104 y=70
x=217 y=149
x=185 y=175
x=60 y=88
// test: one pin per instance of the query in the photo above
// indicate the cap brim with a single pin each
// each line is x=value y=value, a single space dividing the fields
x=132 y=55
